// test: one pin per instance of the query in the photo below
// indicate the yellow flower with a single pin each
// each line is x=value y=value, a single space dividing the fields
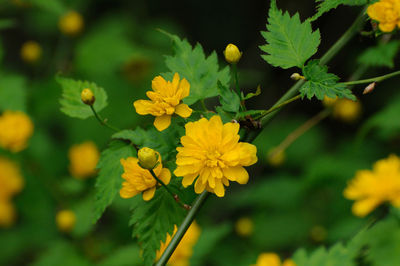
x=31 y=51
x=165 y=100
x=11 y=181
x=65 y=220
x=83 y=159
x=347 y=110
x=272 y=259
x=372 y=188
x=276 y=158
x=71 y=23
x=387 y=13
x=7 y=213
x=15 y=130
x=87 y=96
x=148 y=158
x=140 y=180
x=184 y=250
x=232 y=54
x=212 y=153
x=244 y=226
x=329 y=102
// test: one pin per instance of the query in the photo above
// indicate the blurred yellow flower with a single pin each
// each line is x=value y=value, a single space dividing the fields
x=212 y=153
x=372 y=188
x=184 y=250
x=65 y=220
x=11 y=181
x=139 y=180
x=329 y=102
x=83 y=159
x=276 y=158
x=244 y=226
x=387 y=13
x=31 y=51
x=347 y=110
x=15 y=130
x=71 y=23
x=232 y=54
x=7 y=213
x=165 y=100
x=272 y=259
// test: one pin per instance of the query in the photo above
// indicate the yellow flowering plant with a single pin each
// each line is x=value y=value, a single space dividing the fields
x=172 y=132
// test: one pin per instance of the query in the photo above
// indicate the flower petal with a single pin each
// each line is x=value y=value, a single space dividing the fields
x=162 y=122
x=143 y=107
x=183 y=110
x=236 y=173
x=165 y=175
x=219 y=189
x=188 y=180
x=149 y=194
x=158 y=83
x=184 y=86
x=127 y=191
x=199 y=186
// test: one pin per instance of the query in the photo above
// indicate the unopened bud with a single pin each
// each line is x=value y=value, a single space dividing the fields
x=148 y=158
x=87 y=96
x=31 y=51
x=71 y=23
x=297 y=76
x=369 y=88
x=232 y=54
x=65 y=220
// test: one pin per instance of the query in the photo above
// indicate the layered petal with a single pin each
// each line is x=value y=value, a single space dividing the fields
x=183 y=110
x=162 y=122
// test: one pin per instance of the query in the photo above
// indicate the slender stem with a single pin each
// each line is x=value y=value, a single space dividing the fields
x=235 y=77
x=175 y=196
x=339 y=44
x=203 y=104
x=182 y=228
x=275 y=107
x=370 y=80
x=102 y=121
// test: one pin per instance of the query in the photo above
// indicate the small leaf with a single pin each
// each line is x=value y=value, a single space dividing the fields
x=229 y=100
x=380 y=55
x=289 y=42
x=71 y=103
x=253 y=94
x=109 y=181
x=326 y=5
x=202 y=72
x=320 y=83
x=338 y=255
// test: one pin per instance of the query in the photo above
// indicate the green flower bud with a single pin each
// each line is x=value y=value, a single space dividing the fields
x=232 y=54
x=148 y=158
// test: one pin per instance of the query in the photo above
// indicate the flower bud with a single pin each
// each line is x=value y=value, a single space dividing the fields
x=148 y=158
x=232 y=54
x=369 y=88
x=65 y=220
x=297 y=76
x=31 y=51
x=71 y=23
x=87 y=96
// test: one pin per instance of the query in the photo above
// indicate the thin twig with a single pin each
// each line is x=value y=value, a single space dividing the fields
x=102 y=121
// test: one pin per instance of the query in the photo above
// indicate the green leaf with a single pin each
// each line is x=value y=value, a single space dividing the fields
x=152 y=220
x=338 y=255
x=380 y=55
x=123 y=256
x=229 y=99
x=326 y=5
x=289 y=42
x=71 y=103
x=202 y=72
x=12 y=92
x=321 y=83
x=253 y=94
x=109 y=181
x=55 y=6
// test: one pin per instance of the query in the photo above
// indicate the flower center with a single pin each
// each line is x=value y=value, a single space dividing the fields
x=213 y=159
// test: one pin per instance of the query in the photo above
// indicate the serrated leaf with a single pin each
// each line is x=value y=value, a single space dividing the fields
x=326 y=5
x=229 y=99
x=152 y=221
x=108 y=182
x=338 y=255
x=202 y=72
x=380 y=55
x=253 y=94
x=289 y=42
x=320 y=83
x=71 y=103
x=12 y=92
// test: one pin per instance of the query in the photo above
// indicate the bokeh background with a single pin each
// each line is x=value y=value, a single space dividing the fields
x=289 y=203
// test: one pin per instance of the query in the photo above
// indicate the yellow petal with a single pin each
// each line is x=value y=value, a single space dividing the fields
x=219 y=189
x=188 y=180
x=149 y=194
x=127 y=191
x=175 y=83
x=236 y=173
x=199 y=186
x=363 y=207
x=184 y=86
x=165 y=176
x=158 y=84
x=162 y=122
x=183 y=110
x=387 y=27
x=143 y=107
x=248 y=154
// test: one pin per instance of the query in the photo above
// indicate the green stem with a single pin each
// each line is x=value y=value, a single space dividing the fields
x=203 y=104
x=339 y=44
x=370 y=80
x=182 y=228
x=235 y=77
x=102 y=121
x=275 y=107
x=175 y=196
